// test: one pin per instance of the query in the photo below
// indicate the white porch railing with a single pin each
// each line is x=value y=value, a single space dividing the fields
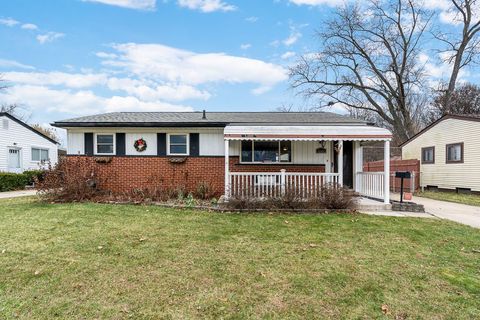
x=371 y=184
x=275 y=184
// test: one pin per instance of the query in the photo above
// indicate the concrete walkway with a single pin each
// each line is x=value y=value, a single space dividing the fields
x=16 y=194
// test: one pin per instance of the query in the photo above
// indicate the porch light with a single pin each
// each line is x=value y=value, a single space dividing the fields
x=322 y=148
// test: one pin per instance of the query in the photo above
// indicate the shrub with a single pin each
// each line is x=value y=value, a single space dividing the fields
x=328 y=197
x=204 y=191
x=34 y=175
x=72 y=179
x=13 y=181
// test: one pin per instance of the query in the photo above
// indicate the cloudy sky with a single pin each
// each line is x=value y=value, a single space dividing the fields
x=66 y=58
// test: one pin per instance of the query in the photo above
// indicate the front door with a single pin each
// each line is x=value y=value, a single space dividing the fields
x=14 y=160
x=348 y=164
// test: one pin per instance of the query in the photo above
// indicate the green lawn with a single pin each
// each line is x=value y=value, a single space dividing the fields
x=91 y=261
x=470 y=199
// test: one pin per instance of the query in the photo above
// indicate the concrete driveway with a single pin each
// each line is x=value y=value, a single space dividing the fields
x=16 y=194
x=461 y=213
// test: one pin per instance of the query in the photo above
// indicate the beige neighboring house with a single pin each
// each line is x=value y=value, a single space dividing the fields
x=449 y=153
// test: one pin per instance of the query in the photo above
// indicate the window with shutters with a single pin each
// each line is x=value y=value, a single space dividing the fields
x=105 y=143
x=178 y=144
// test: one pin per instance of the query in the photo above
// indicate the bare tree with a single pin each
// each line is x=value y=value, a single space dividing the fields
x=369 y=62
x=461 y=49
x=465 y=99
x=49 y=132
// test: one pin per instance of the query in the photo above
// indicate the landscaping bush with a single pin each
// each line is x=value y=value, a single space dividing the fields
x=205 y=191
x=34 y=175
x=13 y=181
x=72 y=179
x=331 y=196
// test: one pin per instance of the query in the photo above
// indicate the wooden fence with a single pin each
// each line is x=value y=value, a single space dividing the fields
x=412 y=166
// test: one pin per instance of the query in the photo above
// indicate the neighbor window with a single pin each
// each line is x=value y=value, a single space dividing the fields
x=454 y=153
x=105 y=144
x=39 y=154
x=266 y=151
x=428 y=155
x=178 y=144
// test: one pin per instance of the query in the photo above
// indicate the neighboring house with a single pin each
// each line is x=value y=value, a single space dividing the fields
x=449 y=153
x=259 y=153
x=22 y=147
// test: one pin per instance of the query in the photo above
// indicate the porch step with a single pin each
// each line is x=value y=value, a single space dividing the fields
x=365 y=204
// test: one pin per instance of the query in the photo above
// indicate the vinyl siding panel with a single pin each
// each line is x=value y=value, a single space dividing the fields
x=17 y=136
x=441 y=174
x=150 y=138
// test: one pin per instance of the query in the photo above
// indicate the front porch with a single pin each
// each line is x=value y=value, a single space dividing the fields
x=339 y=154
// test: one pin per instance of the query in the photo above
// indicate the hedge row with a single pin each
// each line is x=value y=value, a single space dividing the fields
x=15 y=181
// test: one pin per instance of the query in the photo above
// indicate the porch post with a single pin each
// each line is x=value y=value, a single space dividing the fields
x=227 y=169
x=358 y=165
x=386 y=172
x=340 y=162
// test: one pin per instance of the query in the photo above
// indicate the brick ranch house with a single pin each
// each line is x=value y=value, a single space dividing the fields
x=236 y=153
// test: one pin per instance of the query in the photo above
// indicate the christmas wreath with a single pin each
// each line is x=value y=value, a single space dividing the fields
x=140 y=145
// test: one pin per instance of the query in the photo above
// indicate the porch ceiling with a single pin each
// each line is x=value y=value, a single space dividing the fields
x=306 y=133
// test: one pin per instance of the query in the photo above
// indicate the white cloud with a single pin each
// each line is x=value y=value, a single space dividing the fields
x=155 y=92
x=70 y=80
x=104 y=55
x=29 y=26
x=288 y=55
x=49 y=37
x=14 y=64
x=245 y=46
x=42 y=98
x=130 y=4
x=9 y=22
x=206 y=5
x=252 y=19
x=171 y=65
x=318 y=2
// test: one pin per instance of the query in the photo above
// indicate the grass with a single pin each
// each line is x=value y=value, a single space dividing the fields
x=470 y=199
x=92 y=261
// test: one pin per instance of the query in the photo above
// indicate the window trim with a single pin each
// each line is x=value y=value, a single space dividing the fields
x=433 y=157
x=461 y=144
x=95 y=142
x=267 y=163
x=39 y=148
x=178 y=134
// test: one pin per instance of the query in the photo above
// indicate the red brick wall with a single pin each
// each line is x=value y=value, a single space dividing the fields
x=123 y=174
x=397 y=165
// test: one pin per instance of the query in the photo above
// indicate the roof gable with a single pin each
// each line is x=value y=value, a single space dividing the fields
x=20 y=122
x=473 y=117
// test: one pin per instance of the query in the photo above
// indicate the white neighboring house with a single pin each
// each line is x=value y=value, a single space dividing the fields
x=22 y=147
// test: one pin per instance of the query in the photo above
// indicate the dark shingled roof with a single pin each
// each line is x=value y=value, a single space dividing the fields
x=213 y=119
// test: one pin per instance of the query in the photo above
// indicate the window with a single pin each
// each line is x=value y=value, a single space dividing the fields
x=428 y=155
x=266 y=151
x=40 y=154
x=454 y=153
x=105 y=144
x=178 y=144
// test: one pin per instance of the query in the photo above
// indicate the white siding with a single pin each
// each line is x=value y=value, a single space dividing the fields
x=441 y=174
x=210 y=139
x=18 y=136
x=150 y=138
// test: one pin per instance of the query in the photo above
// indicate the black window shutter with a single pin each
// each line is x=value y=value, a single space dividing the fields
x=88 y=143
x=120 y=143
x=194 y=144
x=161 y=144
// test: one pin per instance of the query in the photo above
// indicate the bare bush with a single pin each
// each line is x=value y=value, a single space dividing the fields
x=330 y=196
x=71 y=180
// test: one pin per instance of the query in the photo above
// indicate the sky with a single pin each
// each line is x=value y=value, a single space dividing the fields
x=68 y=58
